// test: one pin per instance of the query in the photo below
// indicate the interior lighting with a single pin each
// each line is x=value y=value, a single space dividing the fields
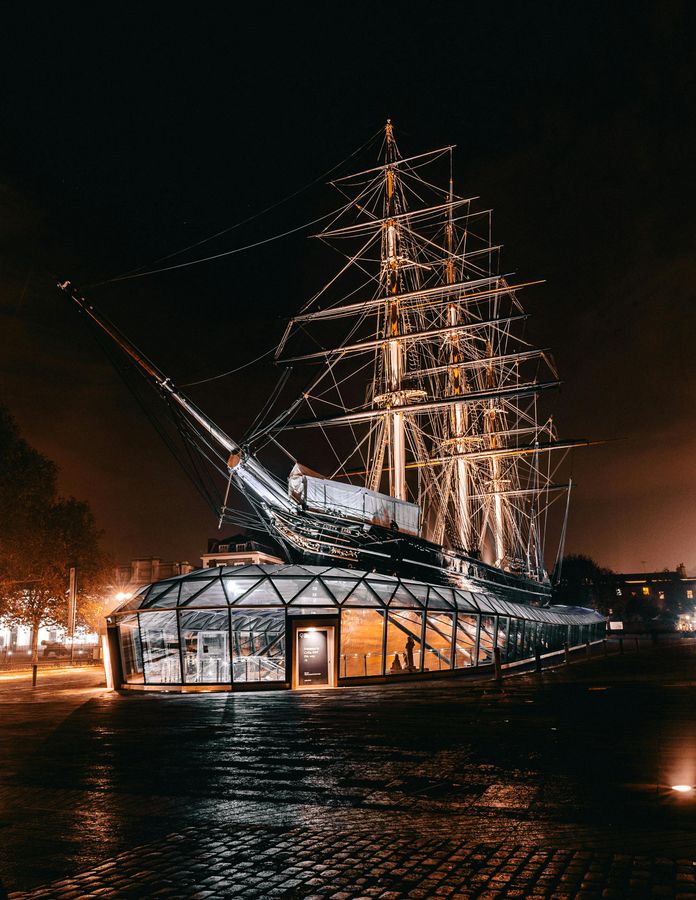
x=682 y=788
x=106 y=657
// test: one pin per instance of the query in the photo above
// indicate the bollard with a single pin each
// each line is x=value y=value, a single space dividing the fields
x=637 y=643
x=588 y=649
x=497 y=668
x=567 y=653
x=34 y=671
x=620 y=645
x=537 y=659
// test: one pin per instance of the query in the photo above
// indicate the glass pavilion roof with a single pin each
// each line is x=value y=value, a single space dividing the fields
x=294 y=586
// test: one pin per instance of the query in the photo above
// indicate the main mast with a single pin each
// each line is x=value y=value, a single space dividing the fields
x=393 y=351
x=457 y=386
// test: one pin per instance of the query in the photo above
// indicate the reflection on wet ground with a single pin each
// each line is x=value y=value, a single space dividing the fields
x=573 y=764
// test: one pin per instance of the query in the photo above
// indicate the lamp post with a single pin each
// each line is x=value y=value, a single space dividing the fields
x=72 y=611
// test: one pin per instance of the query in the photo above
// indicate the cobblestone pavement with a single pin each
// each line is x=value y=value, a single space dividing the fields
x=550 y=786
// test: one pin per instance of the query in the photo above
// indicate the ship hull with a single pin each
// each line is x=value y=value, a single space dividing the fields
x=322 y=541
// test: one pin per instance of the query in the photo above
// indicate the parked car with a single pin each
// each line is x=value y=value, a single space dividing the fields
x=55 y=649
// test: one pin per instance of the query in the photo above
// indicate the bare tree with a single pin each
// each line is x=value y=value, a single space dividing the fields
x=42 y=536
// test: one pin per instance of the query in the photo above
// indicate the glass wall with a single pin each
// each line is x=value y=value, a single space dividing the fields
x=362 y=633
x=258 y=644
x=465 y=646
x=502 y=636
x=131 y=649
x=486 y=640
x=404 y=641
x=205 y=639
x=160 y=638
x=439 y=631
x=225 y=626
x=511 y=649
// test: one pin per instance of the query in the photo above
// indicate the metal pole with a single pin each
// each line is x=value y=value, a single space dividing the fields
x=497 y=668
x=566 y=650
x=72 y=611
x=537 y=655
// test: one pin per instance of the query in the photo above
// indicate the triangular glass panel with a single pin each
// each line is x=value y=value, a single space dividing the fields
x=294 y=570
x=342 y=573
x=383 y=589
x=213 y=595
x=236 y=587
x=138 y=601
x=464 y=600
x=436 y=600
x=253 y=570
x=496 y=604
x=363 y=596
x=160 y=587
x=234 y=571
x=191 y=587
x=315 y=594
x=261 y=595
x=340 y=587
x=289 y=587
x=484 y=602
x=405 y=598
x=419 y=591
x=446 y=593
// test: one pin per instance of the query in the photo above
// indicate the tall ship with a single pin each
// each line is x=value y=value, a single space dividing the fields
x=411 y=374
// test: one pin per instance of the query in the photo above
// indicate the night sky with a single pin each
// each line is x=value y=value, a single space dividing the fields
x=127 y=135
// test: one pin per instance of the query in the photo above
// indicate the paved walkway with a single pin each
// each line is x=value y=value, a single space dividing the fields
x=549 y=786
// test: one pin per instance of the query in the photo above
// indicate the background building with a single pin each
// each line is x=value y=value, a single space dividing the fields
x=238 y=550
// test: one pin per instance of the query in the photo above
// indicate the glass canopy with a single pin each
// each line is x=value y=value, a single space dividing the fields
x=232 y=625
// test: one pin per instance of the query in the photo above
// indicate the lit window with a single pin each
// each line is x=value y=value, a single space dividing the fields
x=646 y=591
x=689 y=595
x=661 y=595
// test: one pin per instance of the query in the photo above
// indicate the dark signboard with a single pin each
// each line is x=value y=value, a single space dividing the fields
x=313 y=653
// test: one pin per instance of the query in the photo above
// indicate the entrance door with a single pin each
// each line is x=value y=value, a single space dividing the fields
x=314 y=657
x=213 y=656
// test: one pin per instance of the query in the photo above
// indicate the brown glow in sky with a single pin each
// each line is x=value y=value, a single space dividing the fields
x=575 y=125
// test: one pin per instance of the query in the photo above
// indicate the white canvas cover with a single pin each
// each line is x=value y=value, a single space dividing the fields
x=322 y=495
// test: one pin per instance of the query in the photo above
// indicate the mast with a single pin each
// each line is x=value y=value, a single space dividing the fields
x=495 y=482
x=393 y=352
x=430 y=324
x=457 y=384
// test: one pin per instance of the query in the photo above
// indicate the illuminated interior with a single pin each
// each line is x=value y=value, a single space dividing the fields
x=233 y=625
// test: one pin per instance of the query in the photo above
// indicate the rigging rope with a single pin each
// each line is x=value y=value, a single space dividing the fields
x=197 y=262
x=231 y=371
x=138 y=273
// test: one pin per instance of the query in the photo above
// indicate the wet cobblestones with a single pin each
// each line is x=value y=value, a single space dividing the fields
x=308 y=862
x=551 y=786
